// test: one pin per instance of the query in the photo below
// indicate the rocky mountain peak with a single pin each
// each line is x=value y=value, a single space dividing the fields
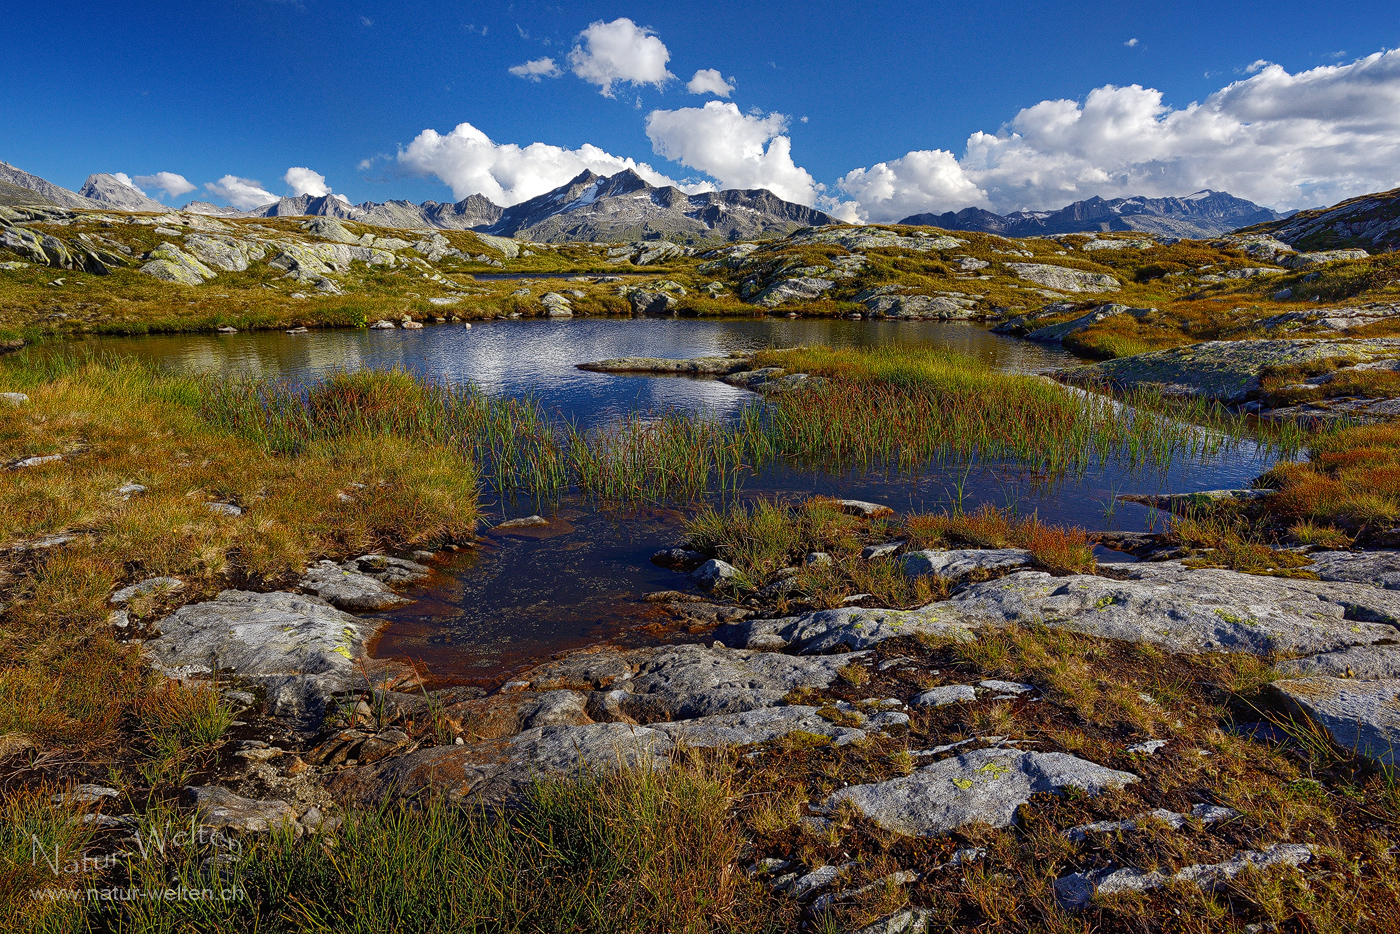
x=115 y=193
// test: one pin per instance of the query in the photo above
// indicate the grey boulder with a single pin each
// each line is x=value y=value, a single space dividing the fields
x=959 y=563
x=851 y=628
x=1190 y=609
x=220 y=808
x=301 y=648
x=348 y=589
x=1063 y=279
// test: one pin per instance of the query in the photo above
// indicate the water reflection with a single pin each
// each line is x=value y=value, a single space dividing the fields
x=520 y=597
x=538 y=355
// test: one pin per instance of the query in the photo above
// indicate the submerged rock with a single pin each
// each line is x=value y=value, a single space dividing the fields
x=985 y=786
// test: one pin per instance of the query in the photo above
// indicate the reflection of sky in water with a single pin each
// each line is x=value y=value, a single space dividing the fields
x=518 y=599
x=538 y=356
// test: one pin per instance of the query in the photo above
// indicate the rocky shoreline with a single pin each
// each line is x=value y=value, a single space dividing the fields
x=759 y=679
x=345 y=732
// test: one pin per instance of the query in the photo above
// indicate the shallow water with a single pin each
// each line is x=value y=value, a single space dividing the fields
x=538 y=355
x=529 y=594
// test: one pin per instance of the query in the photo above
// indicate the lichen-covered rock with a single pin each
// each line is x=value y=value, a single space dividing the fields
x=171 y=264
x=959 y=563
x=851 y=628
x=1377 y=568
x=301 y=648
x=219 y=808
x=222 y=252
x=1063 y=279
x=1190 y=609
x=941 y=307
x=872 y=238
x=1360 y=716
x=347 y=588
x=715 y=575
x=683 y=681
x=801 y=289
x=1078 y=889
x=984 y=786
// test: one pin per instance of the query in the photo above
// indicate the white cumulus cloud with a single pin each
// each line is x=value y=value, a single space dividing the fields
x=1131 y=43
x=536 y=69
x=469 y=162
x=242 y=193
x=710 y=81
x=620 y=52
x=168 y=182
x=302 y=181
x=911 y=184
x=1286 y=140
x=740 y=150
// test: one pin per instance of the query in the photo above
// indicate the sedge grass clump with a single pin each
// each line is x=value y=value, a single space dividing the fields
x=64 y=677
x=908 y=407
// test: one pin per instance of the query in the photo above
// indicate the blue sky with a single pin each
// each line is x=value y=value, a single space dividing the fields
x=871 y=104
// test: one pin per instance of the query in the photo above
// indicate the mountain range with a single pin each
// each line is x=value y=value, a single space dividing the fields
x=1198 y=216
x=625 y=207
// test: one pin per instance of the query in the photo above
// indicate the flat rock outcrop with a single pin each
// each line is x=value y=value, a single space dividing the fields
x=684 y=681
x=1165 y=603
x=1361 y=716
x=1063 y=279
x=984 y=786
x=849 y=628
x=698 y=366
x=1191 y=609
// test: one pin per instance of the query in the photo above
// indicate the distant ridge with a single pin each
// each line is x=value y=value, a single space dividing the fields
x=49 y=192
x=1198 y=216
x=1369 y=222
x=589 y=207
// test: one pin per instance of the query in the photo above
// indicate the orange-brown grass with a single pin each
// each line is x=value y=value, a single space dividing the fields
x=764 y=538
x=64 y=678
x=1055 y=548
x=1098 y=697
x=1352 y=481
